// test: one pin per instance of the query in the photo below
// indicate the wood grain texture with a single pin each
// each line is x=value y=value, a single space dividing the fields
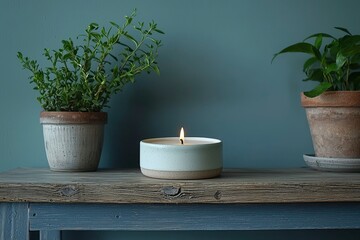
x=165 y=217
x=14 y=221
x=130 y=186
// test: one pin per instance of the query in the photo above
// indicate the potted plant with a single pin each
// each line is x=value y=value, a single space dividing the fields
x=333 y=106
x=77 y=85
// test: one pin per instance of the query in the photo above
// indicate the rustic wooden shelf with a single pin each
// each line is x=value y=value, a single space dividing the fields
x=39 y=199
x=130 y=186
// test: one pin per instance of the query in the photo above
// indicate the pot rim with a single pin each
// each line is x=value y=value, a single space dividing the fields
x=332 y=99
x=52 y=117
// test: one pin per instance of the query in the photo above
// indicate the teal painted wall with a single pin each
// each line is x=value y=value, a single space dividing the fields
x=216 y=81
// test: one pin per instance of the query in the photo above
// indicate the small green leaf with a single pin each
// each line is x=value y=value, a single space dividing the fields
x=323 y=35
x=115 y=58
x=156 y=69
x=95 y=35
x=159 y=31
x=351 y=51
x=319 y=89
x=331 y=68
x=93 y=26
x=301 y=47
x=20 y=55
x=308 y=63
x=349 y=40
x=318 y=41
x=127 y=47
x=340 y=60
x=315 y=75
x=343 y=29
x=333 y=48
x=115 y=24
x=103 y=31
x=131 y=38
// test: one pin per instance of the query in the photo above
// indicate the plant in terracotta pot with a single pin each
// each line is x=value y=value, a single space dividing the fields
x=78 y=83
x=333 y=105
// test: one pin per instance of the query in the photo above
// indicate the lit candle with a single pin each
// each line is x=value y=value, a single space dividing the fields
x=182 y=136
x=180 y=157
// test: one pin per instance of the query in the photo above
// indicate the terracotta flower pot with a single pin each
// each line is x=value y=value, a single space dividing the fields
x=73 y=140
x=334 y=121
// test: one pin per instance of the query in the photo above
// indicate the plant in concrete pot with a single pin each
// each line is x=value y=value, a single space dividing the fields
x=333 y=106
x=79 y=82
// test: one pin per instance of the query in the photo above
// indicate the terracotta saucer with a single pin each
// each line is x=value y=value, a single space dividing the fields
x=332 y=164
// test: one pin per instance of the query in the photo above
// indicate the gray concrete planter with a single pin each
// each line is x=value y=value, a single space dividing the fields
x=334 y=121
x=73 y=140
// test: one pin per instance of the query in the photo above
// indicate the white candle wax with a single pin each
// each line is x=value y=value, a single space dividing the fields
x=175 y=141
x=168 y=158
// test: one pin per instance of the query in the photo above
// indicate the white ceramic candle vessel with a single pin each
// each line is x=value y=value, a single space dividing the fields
x=169 y=158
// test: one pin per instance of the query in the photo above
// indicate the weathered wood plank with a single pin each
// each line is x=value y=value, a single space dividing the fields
x=194 y=216
x=50 y=235
x=14 y=221
x=130 y=186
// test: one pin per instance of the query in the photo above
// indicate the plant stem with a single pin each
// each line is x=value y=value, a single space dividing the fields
x=135 y=50
x=347 y=77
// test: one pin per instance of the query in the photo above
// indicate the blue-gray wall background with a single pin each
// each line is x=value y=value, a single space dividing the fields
x=216 y=81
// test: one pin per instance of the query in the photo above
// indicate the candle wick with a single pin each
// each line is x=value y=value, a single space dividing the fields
x=182 y=141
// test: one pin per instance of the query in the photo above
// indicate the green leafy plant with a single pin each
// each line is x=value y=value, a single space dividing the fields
x=83 y=77
x=335 y=65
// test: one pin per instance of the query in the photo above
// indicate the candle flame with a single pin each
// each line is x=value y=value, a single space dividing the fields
x=182 y=136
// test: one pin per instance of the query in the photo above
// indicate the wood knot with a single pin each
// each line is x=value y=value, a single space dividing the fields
x=68 y=191
x=171 y=191
x=217 y=195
